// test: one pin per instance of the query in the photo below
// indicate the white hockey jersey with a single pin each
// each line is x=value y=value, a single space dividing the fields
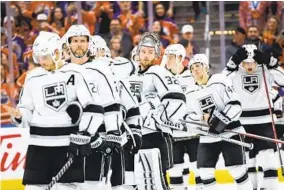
x=218 y=94
x=160 y=82
x=186 y=82
x=101 y=80
x=251 y=89
x=278 y=75
x=44 y=99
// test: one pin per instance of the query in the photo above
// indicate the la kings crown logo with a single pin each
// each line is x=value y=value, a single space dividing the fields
x=250 y=83
x=136 y=89
x=207 y=104
x=55 y=96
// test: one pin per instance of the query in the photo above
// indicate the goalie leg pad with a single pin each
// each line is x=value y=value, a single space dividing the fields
x=148 y=170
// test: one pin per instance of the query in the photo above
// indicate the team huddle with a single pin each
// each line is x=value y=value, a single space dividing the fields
x=124 y=124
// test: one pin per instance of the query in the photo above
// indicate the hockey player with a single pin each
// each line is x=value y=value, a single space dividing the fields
x=182 y=141
x=128 y=84
x=161 y=100
x=50 y=105
x=100 y=80
x=213 y=96
x=249 y=83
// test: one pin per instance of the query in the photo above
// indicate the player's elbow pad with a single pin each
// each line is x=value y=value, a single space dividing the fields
x=113 y=117
x=92 y=118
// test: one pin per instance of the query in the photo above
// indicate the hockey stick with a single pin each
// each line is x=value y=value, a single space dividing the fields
x=272 y=118
x=108 y=164
x=56 y=178
x=239 y=133
x=233 y=141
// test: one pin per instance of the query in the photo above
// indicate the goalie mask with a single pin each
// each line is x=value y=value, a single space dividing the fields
x=76 y=31
x=150 y=39
x=47 y=44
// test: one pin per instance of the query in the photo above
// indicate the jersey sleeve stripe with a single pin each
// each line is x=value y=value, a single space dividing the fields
x=133 y=112
x=159 y=79
x=234 y=103
x=111 y=108
x=105 y=79
x=94 y=109
x=174 y=95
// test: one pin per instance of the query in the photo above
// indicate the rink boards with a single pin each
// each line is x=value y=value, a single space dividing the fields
x=14 y=143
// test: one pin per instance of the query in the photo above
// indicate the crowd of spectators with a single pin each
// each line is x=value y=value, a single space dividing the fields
x=121 y=24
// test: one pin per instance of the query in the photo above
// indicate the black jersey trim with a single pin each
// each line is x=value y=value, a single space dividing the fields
x=235 y=102
x=174 y=95
x=111 y=108
x=133 y=112
x=256 y=113
x=53 y=131
x=94 y=109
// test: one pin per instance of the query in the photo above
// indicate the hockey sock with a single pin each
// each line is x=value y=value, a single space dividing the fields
x=240 y=175
x=252 y=170
x=198 y=181
x=208 y=178
x=185 y=175
x=269 y=162
x=176 y=177
x=259 y=177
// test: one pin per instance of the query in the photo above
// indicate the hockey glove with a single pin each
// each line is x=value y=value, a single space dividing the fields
x=217 y=122
x=74 y=110
x=261 y=57
x=99 y=144
x=239 y=56
x=114 y=140
x=80 y=144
